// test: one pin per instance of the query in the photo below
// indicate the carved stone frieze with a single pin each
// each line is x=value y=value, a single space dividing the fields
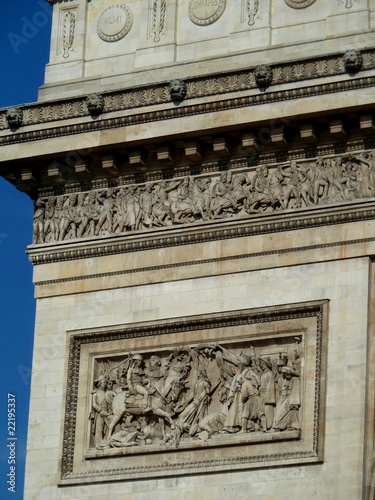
x=233 y=195
x=192 y=110
x=204 y=87
x=361 y=212
x=245 y=384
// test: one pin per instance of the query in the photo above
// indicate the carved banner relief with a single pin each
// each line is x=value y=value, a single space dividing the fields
x=230 y=195
x=233 y=389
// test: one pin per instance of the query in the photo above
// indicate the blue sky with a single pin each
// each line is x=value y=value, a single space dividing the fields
x=24 y=49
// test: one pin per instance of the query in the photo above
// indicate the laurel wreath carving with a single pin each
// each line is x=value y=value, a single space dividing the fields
x=158 y=20
x=68 y=32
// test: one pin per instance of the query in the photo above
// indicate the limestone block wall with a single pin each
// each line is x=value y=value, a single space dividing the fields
x=342 y=279
x=146 y=41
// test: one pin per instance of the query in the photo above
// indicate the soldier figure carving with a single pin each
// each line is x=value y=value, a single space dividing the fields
x=232 y=194
x=196 y=393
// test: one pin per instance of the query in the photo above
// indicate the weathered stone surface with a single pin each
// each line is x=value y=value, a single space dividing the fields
x=203 y=179
x=187 y=40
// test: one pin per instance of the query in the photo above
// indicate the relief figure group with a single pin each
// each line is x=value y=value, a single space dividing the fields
x=195 y=394
x=232 y=194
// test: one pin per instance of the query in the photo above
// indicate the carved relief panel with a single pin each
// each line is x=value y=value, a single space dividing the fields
x=250 y=11
x=233 y=390
x=157 y=19
x=67 y=31
x=232 y=194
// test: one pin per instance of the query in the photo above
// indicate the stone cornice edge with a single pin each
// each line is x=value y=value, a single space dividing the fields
x=208 y=86
x=190 y=110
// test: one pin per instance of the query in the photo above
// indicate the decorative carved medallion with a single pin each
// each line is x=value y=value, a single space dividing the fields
x=204 y=12
x=250 y=381
x=299 y=4
x=115 y=23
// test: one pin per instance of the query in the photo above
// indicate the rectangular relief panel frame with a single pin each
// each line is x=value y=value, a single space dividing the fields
x=220 y=392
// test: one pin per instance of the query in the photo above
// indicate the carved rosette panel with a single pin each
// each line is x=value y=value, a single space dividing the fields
x=256 y=379
x=231 y=195
x=205 y=12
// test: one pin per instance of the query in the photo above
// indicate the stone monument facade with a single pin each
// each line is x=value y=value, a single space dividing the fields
x=203 y=174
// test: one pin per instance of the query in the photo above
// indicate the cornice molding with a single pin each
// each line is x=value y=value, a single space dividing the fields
x=197 y=109
x=215 y=85
x=255 y=255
